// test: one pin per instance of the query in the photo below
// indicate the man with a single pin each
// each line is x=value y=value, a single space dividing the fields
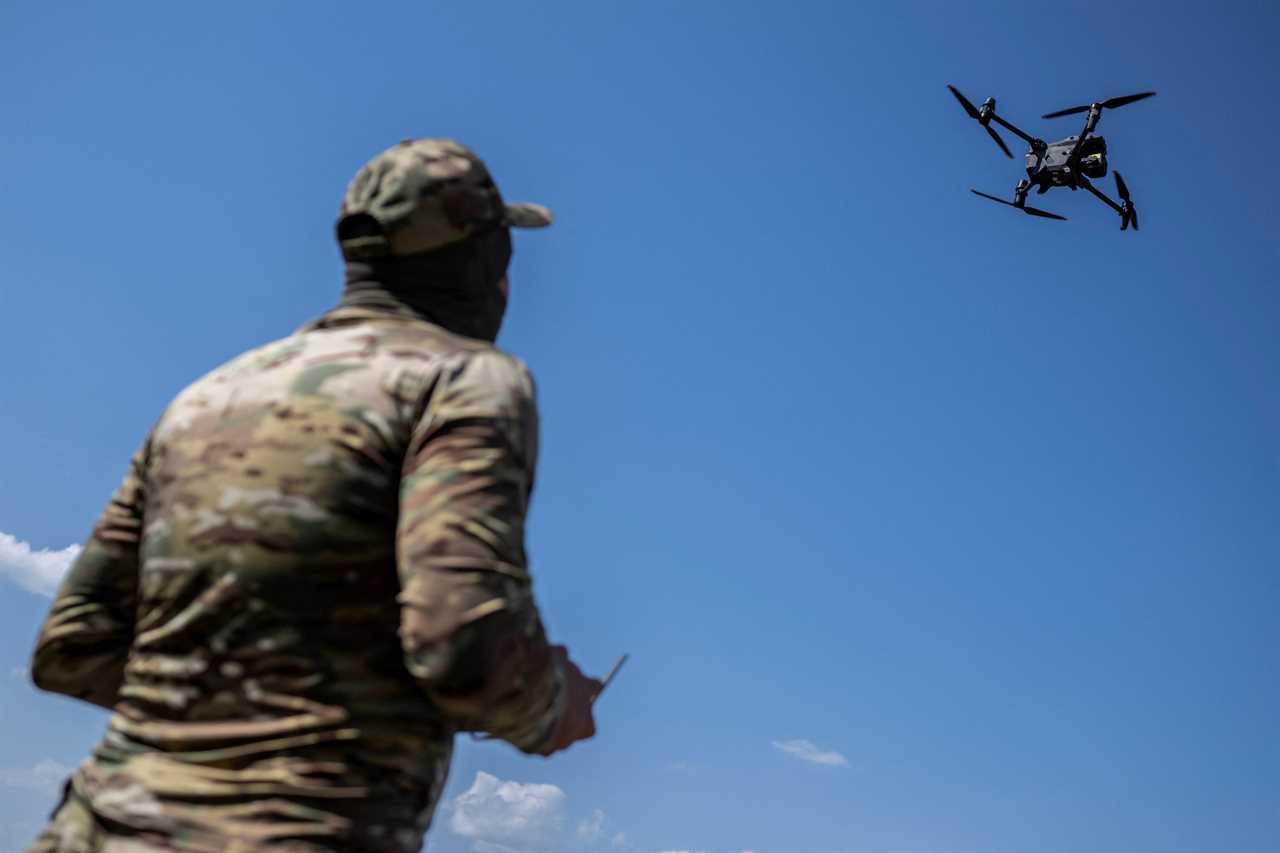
x=314 y=573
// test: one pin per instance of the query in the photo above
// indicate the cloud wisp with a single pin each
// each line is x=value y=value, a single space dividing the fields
x=508 y=816
x=44 y=776
x=498 y=816
x=591 y=828
x=38 y=571
x=807 y=750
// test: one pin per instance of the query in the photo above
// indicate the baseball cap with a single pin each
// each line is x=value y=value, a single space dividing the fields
x=425 y=194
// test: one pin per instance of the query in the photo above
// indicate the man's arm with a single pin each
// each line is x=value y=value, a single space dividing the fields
x=85 y=639
x=469 y=626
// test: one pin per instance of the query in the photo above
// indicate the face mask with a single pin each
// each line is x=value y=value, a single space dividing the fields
x=458 y=287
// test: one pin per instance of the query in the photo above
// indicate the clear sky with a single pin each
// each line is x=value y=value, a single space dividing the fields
x=931 y=527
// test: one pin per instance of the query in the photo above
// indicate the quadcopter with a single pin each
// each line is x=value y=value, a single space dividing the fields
x=1070 y=162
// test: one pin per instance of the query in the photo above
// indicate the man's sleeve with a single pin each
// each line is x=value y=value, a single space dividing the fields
x=469 y=626
x=85 y=639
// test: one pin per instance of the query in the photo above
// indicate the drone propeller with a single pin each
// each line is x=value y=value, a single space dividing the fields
x=964 y=102
x=1128 y=213
x=1034 y=211
x=1000 y=142
x=983 y=117
x=1110 y=104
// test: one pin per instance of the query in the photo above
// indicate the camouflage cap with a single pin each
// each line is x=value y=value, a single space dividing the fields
x=425 y=194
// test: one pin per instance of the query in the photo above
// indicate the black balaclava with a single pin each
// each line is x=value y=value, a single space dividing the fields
x=457 y=287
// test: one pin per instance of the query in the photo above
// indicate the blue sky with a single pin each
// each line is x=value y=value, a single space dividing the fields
x=931 y=528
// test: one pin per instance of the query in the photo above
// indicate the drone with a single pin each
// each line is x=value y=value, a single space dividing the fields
x=1070 y=162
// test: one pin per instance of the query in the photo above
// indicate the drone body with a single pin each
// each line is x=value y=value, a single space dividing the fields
x=1056 y=170
x=1069 y=162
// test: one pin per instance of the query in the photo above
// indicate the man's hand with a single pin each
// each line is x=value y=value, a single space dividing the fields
x=577 y=722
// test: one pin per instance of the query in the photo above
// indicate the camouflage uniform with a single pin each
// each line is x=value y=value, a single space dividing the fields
x=314 y=572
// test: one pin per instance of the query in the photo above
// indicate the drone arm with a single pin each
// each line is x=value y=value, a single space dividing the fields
x=1095 y=112
x=1084 y=182
x=1015 y=131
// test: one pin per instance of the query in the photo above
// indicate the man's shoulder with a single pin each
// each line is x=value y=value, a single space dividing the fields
x=401 y=334
x=462 y=360
x=487 y=383
x=340 y=352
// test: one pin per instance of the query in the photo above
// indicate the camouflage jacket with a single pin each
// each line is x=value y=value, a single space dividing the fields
x=312 y=575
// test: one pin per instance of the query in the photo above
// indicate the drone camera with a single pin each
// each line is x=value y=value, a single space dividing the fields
x=1093 y=157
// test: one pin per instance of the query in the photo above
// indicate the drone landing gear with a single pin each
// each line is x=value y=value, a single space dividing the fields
x=1128 y=213
x=1020 y=201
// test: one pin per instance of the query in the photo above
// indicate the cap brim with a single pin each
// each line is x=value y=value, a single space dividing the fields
x=524 y=215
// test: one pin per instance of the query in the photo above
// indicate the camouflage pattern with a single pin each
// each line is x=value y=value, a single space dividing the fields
x=426 y=194
x=312 y=576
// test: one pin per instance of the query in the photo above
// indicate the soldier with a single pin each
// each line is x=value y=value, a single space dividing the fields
x=314 y=572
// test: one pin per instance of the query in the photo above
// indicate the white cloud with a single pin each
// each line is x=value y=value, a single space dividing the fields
x=807 y=750
x=508 y=817
x=490 y=847
x=45 y=776
x=589 y=829
x=39 y=571
x=597 y=828
x=19 y=672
